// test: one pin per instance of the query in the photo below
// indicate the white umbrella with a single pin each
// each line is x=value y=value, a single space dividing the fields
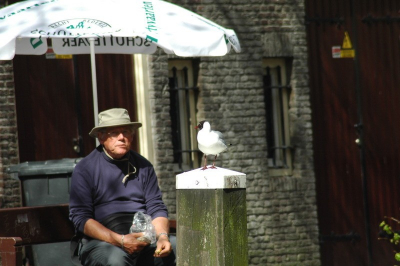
x=109 y=26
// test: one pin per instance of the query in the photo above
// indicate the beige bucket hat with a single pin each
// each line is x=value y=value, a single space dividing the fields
x=113 y=118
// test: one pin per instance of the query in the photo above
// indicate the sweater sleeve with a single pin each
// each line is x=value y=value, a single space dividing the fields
x=154 y=203
x=81 y=203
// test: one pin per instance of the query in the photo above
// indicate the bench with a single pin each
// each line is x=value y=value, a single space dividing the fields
x=26 y=226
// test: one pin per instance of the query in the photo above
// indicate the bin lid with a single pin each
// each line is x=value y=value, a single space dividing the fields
x=50 y=167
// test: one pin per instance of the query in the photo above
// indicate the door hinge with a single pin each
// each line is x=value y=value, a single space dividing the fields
x=333 y=237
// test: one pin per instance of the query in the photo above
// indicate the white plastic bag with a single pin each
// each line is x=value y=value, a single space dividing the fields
x=142 y=224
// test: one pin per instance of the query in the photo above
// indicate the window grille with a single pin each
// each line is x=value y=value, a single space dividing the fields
x=183 y=101
x=276 y=97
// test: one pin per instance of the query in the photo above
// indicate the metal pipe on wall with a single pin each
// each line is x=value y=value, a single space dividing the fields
x=360 y=130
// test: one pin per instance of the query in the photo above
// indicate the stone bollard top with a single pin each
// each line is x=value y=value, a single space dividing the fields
x=219 y=178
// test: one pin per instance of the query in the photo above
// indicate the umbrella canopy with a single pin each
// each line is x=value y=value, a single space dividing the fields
x=118 y=26
x=109 y=26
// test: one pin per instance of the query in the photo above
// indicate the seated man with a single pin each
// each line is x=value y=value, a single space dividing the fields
x=107 y=188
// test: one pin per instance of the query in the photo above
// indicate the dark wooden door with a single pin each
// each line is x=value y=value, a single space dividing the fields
x=355 y=103
x=54 y=102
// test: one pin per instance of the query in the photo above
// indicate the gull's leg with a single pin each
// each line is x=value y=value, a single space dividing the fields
x=213 y=166
x=205 y=162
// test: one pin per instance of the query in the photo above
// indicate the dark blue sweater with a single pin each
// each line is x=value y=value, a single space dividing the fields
x=97 y=189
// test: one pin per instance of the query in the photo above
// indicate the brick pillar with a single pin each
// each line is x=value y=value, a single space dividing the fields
x=9 y=188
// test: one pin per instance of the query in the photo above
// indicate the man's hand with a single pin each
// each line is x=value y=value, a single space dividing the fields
x=164 y=247
x=132 y=245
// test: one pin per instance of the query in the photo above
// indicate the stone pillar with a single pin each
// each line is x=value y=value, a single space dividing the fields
x=211 y=218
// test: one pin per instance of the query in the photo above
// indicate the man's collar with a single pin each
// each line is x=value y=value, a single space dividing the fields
x=123 y=158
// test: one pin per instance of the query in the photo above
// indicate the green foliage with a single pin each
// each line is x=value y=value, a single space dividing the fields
x=391 y=235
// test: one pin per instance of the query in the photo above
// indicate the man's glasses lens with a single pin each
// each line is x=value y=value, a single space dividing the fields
x=125 y=133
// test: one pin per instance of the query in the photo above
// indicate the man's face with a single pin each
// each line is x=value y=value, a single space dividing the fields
x=116 y=140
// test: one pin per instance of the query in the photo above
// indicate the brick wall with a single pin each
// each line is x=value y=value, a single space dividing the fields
x=161 y=129
x=9 y=187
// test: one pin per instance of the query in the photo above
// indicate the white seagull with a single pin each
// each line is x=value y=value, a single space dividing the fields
x=210 y=142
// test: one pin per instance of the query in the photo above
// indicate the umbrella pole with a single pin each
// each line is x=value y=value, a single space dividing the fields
x=94 y=84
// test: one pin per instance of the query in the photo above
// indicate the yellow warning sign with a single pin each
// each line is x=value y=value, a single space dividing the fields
x=344 y=51
x=348 y=53
x=346 y=41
